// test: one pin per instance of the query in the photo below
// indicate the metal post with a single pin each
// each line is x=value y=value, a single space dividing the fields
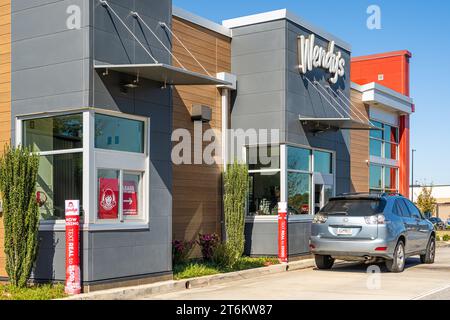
x=412 y=175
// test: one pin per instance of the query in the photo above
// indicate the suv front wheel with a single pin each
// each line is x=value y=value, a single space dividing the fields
x=324 y=262
x=397 y=264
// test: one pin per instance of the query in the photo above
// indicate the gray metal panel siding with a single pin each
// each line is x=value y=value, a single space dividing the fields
x=52 y=70
x=130 y=253
x=261 y=238
x=114 y=44
x=50 y=63
x=258 y=60
x=272 y=94
x=303 y=99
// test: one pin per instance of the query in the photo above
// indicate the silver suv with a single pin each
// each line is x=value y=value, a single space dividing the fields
x=371 y=228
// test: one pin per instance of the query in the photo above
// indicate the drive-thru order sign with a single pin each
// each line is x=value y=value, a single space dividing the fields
x=73 y=280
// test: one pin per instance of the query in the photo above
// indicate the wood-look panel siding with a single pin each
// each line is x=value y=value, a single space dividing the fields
x=359 y=142
x=5 y=98
x=197 y=189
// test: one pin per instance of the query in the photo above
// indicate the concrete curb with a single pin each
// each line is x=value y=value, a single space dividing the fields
x=136 y=292
x=442 y=244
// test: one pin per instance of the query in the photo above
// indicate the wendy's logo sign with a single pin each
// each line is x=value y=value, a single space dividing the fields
x=108 y=201
x=311 y=56
x=108 y=198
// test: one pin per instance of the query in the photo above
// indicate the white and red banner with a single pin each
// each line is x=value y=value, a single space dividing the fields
x=108 y=198
x=282 y=232
x=73 y=274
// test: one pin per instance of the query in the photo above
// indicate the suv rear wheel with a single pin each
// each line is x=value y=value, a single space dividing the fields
x=428 y=257
x=397 y=264
x=324 y=262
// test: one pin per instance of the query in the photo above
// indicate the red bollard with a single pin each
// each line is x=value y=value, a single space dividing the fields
x=73 y=280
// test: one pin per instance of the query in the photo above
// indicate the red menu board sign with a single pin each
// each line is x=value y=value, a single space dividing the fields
x=130 y=199
x=108 y=198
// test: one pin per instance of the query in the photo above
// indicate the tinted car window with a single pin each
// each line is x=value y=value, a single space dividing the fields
x=415 y=213
x=402 y=209
x=354 y=207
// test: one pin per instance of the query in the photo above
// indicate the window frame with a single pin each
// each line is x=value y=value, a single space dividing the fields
x=284 y=177
x=19 y=138
x=384 y=141
x=383 y=178
x=90 y=156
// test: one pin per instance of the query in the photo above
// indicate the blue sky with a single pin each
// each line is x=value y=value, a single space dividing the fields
x=422 y=27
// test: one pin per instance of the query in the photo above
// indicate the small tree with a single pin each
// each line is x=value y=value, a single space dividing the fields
x=18 y=175
x=425 y=201
x=235 y=195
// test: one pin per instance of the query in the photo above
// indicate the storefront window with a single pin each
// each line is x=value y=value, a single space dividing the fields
x=299 y=189
x=58 y=141
x=60 y=177
x=54 y=133
x=323 y=162
x=384 y=142
x=376 y=183
x=300 y=178
x=119 y=134
x=264 y=193
x=376 y=148
x=108 y=194
x=119 y=195
x=299 y=159
x=383 y=179
x=263 y=157
x=131 y=197
x=390 y=180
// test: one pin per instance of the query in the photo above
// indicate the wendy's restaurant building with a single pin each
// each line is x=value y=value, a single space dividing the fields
x=123 y=100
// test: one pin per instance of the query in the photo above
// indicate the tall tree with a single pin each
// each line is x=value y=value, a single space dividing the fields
x=18 y=175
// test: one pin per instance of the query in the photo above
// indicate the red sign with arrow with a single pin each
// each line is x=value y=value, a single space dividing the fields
x=130 y=199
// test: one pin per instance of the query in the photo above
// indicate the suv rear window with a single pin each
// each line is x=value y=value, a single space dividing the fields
x=354 y=207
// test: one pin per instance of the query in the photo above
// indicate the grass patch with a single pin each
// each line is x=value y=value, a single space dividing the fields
x=36 y=292
x=198 y=268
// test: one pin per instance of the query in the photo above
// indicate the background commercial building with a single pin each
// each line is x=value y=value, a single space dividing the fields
x=100 y=103
x=442 y=195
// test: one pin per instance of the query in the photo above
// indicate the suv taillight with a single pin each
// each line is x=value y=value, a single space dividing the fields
x=378 y=219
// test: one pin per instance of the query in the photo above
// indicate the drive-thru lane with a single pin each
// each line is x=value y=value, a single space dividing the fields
x=344 y=281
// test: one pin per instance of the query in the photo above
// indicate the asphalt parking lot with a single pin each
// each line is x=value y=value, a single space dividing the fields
x=344 y=281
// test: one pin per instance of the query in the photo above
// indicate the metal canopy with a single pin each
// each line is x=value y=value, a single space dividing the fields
x=164 y=73
x=336 y=123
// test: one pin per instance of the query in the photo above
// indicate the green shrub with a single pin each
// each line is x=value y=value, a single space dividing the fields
x=446 y=237
x=18 y=175
x=235 y=195
x=438 y=238
x=224 y=256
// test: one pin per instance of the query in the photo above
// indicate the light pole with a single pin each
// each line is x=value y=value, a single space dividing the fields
x=412 y=175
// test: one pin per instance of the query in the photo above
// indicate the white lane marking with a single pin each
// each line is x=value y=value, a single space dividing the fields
x=431 y=292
